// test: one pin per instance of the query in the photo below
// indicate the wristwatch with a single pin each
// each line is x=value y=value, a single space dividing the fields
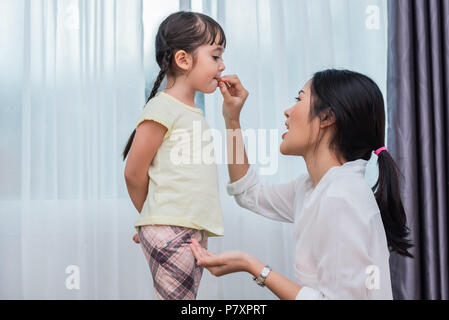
x=260 y=279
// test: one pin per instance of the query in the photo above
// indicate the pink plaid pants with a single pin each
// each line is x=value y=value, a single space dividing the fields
x=176 y=276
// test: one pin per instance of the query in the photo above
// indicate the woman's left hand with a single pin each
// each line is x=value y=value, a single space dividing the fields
x=224 y=263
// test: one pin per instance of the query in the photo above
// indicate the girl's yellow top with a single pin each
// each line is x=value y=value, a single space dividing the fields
x=183 y=186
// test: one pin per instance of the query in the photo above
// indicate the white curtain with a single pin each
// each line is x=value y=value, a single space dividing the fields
x=74 y=77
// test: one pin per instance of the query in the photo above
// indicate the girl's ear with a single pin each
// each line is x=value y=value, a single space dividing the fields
x=183 y=60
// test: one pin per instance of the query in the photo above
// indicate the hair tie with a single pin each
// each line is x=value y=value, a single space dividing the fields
x=378 y=151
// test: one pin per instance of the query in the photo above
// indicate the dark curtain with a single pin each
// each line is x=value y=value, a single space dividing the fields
x=418 y=139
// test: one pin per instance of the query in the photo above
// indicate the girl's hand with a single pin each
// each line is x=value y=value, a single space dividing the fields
x=234 y=95
x=136 y=238
x=218 y=265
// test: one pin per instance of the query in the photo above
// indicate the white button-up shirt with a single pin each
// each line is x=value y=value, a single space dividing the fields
x=341 y=250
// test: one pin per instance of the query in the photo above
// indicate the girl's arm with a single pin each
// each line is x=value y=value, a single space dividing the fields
x=147 y=140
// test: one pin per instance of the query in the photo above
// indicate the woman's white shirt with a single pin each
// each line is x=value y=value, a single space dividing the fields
x=341 y=250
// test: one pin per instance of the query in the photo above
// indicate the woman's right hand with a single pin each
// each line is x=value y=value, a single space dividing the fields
x=234 y=95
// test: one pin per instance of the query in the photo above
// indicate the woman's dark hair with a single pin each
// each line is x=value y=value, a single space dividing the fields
x=180 y=31
x=357 y=104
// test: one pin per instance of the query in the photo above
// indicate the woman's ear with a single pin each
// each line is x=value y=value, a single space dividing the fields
x=327 y=118
x=183 y=60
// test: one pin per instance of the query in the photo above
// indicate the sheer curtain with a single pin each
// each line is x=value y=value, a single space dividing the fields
x=74 y=77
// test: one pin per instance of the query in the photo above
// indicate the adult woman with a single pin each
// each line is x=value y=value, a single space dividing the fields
x=343 y=231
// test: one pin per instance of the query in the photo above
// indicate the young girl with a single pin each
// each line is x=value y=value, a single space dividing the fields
x=344 y=230
x=177 y=200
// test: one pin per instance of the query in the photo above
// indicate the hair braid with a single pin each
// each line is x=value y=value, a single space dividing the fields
x=165 y=65
x=164 y=69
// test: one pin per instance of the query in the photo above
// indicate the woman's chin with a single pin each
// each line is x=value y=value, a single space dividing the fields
x=283 y=149
x=288 y=150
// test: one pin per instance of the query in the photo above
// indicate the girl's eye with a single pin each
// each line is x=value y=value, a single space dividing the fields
x=216 y=57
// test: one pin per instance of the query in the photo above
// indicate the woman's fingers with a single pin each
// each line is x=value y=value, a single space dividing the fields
x=224 y=90
x=209 y=261
x=234 y=81
x=203 y=257
x=194 y=246
x=195 y=243
x=198 y=250
x=218 y=265
x=233 y=78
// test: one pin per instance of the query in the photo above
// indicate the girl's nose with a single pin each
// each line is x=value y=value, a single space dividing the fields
x=222 y=67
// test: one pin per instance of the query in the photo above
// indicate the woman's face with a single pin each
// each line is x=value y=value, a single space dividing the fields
x=301 y=134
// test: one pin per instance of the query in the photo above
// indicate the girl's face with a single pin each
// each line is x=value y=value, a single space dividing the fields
x=301 y=134
x=208 y=67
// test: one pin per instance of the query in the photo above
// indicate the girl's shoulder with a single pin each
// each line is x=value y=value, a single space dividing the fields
x=172 y=104
x=160 y=110
x=159 y=100
x=160 y=105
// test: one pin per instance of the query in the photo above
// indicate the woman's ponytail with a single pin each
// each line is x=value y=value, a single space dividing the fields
x=164 y=69
x=387 y=194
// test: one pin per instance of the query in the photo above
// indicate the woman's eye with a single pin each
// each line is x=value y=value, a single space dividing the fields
x=297 y=99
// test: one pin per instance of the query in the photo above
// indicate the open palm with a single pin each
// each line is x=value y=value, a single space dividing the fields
x=221 y=264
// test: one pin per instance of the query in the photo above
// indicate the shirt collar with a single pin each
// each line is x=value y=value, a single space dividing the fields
x=357 y=167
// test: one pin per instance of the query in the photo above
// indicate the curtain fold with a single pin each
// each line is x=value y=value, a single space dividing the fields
x=418 y=104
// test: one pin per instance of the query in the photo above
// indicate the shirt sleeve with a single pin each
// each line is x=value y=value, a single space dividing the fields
x=276 y=202
x=307 y=293
x=343 y=249
x=160 y=112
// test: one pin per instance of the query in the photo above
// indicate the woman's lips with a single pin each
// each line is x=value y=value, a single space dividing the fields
x=283 y=136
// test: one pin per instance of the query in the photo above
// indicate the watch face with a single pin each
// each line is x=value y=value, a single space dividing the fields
x=265 y=272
